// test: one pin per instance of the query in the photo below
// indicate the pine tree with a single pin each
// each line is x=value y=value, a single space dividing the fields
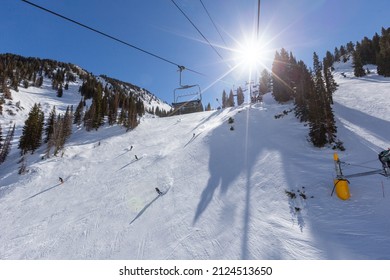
x=383 y=61
x=317 y=131
x=58 y=138
x=376 y=48
x=350 y=47
x=304 y=91
x=224 y=99
x=78 y=114
x=140 y=107
x=32 y=130
x=60 y=91
x=336 y=54
x=89 y=113
x=208 y=107
x=39 y=81
x=4 y=151
x=240 y=96
x=321 y=119
x=330 y=83
x=358 y=69
x=67 y=123
x=265 y=82
x=1 y=137
x=230 y=102
x=281 y=77
x=97 y=101
x=343 y=54
x=50 y=124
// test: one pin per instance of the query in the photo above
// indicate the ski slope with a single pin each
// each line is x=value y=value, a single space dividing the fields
x=225 y=190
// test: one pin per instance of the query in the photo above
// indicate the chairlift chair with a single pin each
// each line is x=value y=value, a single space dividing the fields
x=187 y=98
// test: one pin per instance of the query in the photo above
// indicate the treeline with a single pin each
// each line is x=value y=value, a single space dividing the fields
x=256 y=92
x=228 y=100
x=56 y=130
x=137 y=93
x=311 y=91
x=104 y=100
x=16 y=71
x=368 y=51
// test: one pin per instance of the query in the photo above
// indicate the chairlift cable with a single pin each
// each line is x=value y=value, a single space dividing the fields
x=109 y=36
x=215 y=26
x=258 y=19
x=173 y=1
x=356 y=165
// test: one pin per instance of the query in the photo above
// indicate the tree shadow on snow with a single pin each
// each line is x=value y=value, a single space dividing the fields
x=369 y=123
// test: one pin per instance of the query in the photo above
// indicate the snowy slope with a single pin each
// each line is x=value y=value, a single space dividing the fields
x=225 y=190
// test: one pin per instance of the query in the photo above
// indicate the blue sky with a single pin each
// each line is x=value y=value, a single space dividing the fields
x=300 y=26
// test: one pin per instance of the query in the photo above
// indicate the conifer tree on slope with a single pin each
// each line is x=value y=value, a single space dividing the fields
x=224 y=99
x=303 y=93
x=330 y=83
x=32 y=131
x=317 y=117
x=68 y=120
x=1 y=138
x=4 y=151
x=78 y=114
x=265 y=82
x=50 y=124
x=383 y=60
x=322 y=124
x=58 y=138
x=281 y=75
x=357 y=62
x=240 y=96
x=231 y=99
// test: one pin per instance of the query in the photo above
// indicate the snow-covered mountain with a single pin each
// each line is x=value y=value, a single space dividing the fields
x=228 y=192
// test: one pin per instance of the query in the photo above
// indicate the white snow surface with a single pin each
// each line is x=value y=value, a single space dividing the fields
x=224 y=190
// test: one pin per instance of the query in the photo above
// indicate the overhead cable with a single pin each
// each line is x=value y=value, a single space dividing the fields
x=196 y=28
x=109 y=36
x=216 y=28
x=258 y=19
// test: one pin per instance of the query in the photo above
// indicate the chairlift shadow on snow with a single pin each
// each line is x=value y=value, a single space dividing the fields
x=42 y=192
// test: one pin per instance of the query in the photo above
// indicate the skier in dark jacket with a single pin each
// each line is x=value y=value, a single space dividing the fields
x=384 y=157
x=61 y=180
x=158 y=191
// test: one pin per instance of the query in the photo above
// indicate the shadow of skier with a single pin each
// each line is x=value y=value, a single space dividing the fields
x=144 y=209
x=42 y=192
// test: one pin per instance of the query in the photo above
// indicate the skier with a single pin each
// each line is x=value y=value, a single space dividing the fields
x=158 y=191
x=384 y=157
x=61 y=180
x=131 y=147
x=136 y=157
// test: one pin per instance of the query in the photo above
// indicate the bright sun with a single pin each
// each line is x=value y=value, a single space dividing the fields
x=250 y=55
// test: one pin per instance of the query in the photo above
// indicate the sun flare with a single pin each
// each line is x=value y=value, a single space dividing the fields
x=251 y=55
